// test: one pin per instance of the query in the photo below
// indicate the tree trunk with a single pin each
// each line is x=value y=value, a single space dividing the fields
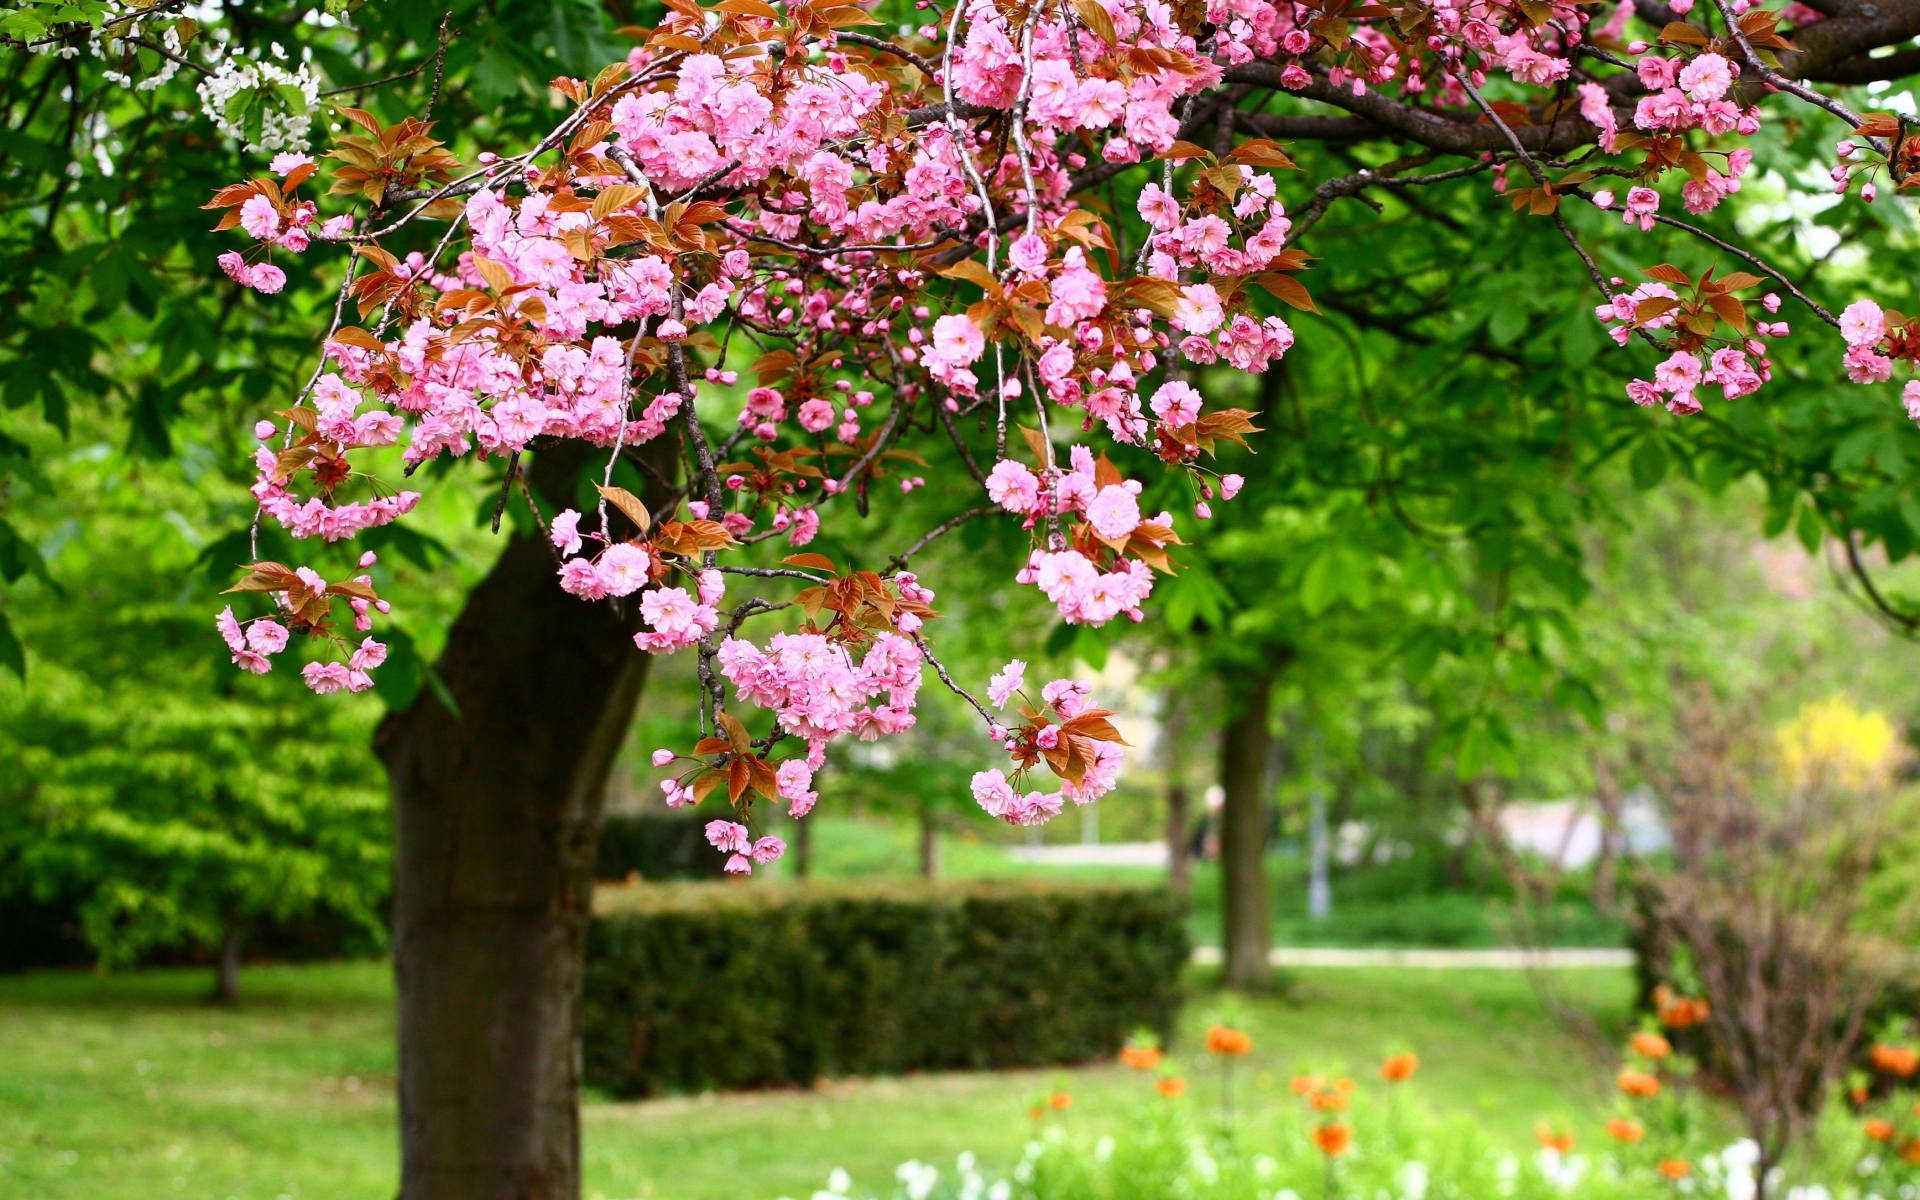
x=496 y=816
x=1173 y=762
x=802 y=855
x=1178 y=874
x=226 y=975
x=929 y=844
x=1243 y=828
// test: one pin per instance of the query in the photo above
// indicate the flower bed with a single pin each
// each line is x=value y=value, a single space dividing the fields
x=1346 y=1140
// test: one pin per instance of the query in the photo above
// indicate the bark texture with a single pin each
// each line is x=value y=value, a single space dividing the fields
x=1244 y=751
x=497 y=814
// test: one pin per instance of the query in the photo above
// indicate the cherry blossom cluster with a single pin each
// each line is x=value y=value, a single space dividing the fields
x=1701 y=355
x=303 y=603
x=1073 y=739
x=1875 y=338
x=772 y=250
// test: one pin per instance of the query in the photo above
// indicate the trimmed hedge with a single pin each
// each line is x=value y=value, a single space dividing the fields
x=695 y=986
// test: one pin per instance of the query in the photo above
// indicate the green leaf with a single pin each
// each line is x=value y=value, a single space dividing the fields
x=1810 y=529
x=1648 y=464
x=12 y=653
x=1508 y=323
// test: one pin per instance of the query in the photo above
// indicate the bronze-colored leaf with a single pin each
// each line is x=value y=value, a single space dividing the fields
x=629 y=504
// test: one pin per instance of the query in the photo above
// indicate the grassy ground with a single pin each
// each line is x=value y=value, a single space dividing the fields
x=130 y=1086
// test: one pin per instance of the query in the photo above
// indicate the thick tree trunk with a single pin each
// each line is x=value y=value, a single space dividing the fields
x=1243 y=829
x=497 y=814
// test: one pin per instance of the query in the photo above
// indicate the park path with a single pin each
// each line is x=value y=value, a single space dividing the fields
x=1501 y=959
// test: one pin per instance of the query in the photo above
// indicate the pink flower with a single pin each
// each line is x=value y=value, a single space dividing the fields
x=663 y=756
x=259 y=217
x=623 y=569
x=957 y=340
x=1068 y=697
x=794 y=779
x=1114 y=513
x=1028 y=253
x=286 y=162
x=1198 y=309
x=806 y=523
x=1230 y=486
x=1177 y=403
x=767 y=849
x=1642 y=203
x=230 y=631
x=565 y=532
x=369 y=655
x=1680 y=373
x=1862 y=323
x=1910 y=396
x=1656 y=73
x=994 y=794
x=729 y=836
x=325 y=677
x=675 y=795
x=738 y=864
x=816 y=415
x=579 y=577
x=266 y=637
x=1706 y=78
x=1157 y=208
x=1013 y=487
x=1006 y=682
x=1864 y=365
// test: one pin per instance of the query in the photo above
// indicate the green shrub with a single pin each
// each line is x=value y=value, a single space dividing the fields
x=698 y=985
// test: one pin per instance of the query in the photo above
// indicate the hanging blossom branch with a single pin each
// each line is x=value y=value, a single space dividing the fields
x=894 y=225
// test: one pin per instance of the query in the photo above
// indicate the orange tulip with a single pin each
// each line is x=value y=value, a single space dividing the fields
x=1302 y=1085
x=1877 y=1129
x=1638 y=1083
x=1623 y=1130
x=1552 y=1140
x=1223 y=1040
x=1651 y=1045
x=1675 y=1169
x=1060 y=1102
x=1679 y=1012
x=1329 y=1101
x=1172 y=1087
x=1333 y=1139
x=1140 y=1058
x=1399 y=1067
x=1895 y=1060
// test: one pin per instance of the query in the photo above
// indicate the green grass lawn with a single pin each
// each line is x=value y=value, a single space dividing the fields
x=130 y=1086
